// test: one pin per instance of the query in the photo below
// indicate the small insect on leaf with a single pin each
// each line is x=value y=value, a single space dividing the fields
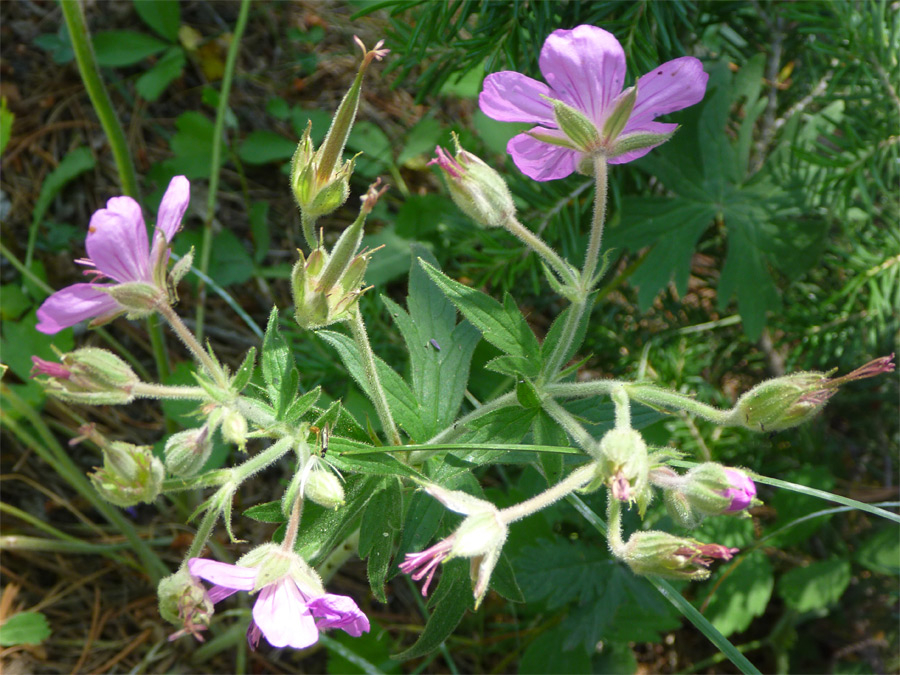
x=434 y=343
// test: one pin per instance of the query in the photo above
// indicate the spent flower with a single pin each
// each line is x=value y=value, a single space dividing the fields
x=119 y=251
x=789 y=401
x=479 y=537
x=88 y=375
x=584 y=111
x=666 y=555
x=291 y=607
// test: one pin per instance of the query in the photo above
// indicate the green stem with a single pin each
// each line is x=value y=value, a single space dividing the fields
x=657 y=396
x=150 y=390
x=376 y=391
x=567 y=421
x=90 y=75
x=270 y=455
x=582 y=389
x=309 y=230
x=539 y=246
x=206 y=245
x=575 y=480
x=592 y=256
x=182 y=331
x=556 y=360
x=49 y=450
x=203 y=534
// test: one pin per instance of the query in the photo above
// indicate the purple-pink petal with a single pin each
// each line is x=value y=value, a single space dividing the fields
x=72 y=304
x=741 y=492
x=541 y=161
x=218 y=593
x=173 y=205
x=675 y=85
x=512 y=97
x=222 y=574
x=339 y=611
x=585 y=67
x=280 y=613
x=118 y=246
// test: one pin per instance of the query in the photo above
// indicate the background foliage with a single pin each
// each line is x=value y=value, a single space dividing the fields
x=764 y=239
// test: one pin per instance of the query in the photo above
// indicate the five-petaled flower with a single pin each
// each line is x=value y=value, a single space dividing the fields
x=585 y=70
x=118 y=250
x=290 y=596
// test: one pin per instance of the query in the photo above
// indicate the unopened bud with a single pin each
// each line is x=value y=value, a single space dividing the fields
x=477 y=189
x=234 y=428
x=324 y=488
x=130 y=474
x=187 y=451
x=709 y=489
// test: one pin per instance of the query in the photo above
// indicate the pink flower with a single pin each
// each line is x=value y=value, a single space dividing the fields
x=585 y=70
x=742 y=490
x=118 y=250
x=290 y=596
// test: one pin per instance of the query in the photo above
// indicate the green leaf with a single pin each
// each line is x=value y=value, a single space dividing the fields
x=740 y=592
x=245 y=371
x=381 y=463
x=420 y=140
x=263 y=146
x=278 y=368
x=163 y=16
x=24 y=628
x=114 y=48
x=259 y=228
x=402 y=402
x=881 y=552
x=544 y=655
x=72 y=165
x=6 y=124
x=270 y=512
x=501 y=325
x=450 y=600
x=301 y=404
x=816 y=586
x=342 y=423
x=324 y=529
x=229 y=264
x=439 y=373
x=556 y=329
x=547 y=432
x=192 y=146
x=378 y=531
x=170 y=67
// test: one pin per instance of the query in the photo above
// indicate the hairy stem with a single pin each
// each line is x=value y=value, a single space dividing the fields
x=376 y=391
x=184 y=333
x=575 y=480
x=540 y=247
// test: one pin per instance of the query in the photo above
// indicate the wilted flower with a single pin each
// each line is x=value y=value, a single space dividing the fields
x=118 y=250
x=624 y=465
x=477 y=189
x=666 y=555
x=184 y=602
x=789 y=401
x=290 y=596
x=480 y=537
x=88 y=375
x=584 y=111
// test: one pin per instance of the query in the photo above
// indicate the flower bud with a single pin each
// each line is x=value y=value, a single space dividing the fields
x=709 y=489
x=88 y=375
x=187 y=451
x=789 y=401
x=324 y=488
x=666 y=555
x=625 y=466
x=130 y=474
x=234 y=428
x=184 y=602
x=478 y=190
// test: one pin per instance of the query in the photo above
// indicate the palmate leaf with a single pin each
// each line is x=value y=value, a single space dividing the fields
x=440 y=350
x=713 y=183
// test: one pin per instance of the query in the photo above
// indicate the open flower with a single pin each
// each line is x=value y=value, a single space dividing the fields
x=118 y=250
x=584 y=111
x=291 y=597
x=480 y=537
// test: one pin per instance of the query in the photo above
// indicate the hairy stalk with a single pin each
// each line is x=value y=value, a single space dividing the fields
x=567 y=421
x=657 y=396
x=184 y=333
x=204 y=532
x=206 y=245
x=574 y=481
x=540 y=247
x=555 y=361
x=290 y=533
x=376 y=391
x=151 y=390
